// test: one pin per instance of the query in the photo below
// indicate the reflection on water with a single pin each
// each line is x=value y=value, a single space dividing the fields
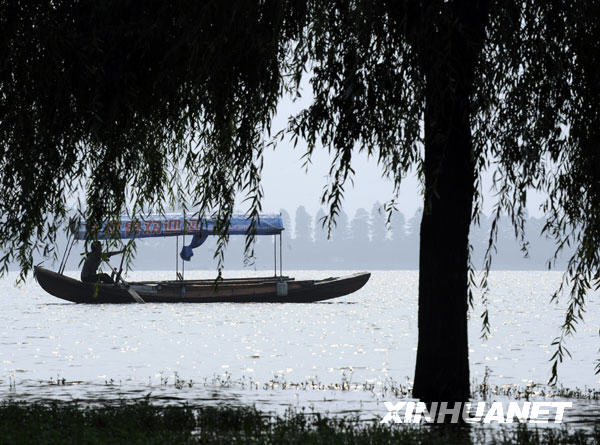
x=367 y=338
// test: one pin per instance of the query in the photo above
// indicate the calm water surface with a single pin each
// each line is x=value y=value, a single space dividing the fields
x=260 y=353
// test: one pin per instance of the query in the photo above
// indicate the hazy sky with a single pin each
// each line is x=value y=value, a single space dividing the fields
x=287 y=185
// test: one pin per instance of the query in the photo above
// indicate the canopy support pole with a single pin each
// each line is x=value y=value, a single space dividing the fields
x=176 y=256
x=280 y=255
x=274 y=255
x=182 y=245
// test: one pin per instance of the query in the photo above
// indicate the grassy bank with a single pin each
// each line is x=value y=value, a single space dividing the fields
x=142 y=422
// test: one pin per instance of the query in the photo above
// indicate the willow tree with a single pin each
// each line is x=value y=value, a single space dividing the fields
x=455 y=89
x=140 y=104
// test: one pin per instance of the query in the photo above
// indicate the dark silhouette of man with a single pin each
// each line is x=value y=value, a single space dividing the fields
x=89 y=272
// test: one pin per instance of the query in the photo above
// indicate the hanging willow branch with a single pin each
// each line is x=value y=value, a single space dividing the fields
x=140 y=106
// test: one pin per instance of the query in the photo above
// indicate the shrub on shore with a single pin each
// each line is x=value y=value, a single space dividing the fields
x=142 y=422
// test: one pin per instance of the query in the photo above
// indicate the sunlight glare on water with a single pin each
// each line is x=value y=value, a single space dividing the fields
x=367 y=337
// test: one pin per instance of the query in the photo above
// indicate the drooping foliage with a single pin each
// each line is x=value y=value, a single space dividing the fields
x=534 y=113
x=133 y=102
x=536 y=127
x=148 y=104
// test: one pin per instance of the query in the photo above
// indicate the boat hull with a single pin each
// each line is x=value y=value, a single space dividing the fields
x=247 y=290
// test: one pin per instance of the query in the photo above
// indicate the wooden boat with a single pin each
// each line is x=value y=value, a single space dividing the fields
x=236 y=290
x=273 y=289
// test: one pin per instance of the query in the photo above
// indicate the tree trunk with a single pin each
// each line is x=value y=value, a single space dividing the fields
x=442 y=368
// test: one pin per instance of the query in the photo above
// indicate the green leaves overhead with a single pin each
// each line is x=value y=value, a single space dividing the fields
x=150 y=102
x=159 y=103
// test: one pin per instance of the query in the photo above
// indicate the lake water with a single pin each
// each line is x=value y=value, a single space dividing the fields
x=347 y=355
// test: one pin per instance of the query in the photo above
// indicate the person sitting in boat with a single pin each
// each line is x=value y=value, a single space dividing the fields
x=89 y=272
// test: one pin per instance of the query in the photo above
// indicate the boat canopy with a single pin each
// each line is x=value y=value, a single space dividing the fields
x=173 y=224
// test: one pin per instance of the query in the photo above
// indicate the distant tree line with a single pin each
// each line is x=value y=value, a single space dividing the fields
x=364 y=241
x=361 y=242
